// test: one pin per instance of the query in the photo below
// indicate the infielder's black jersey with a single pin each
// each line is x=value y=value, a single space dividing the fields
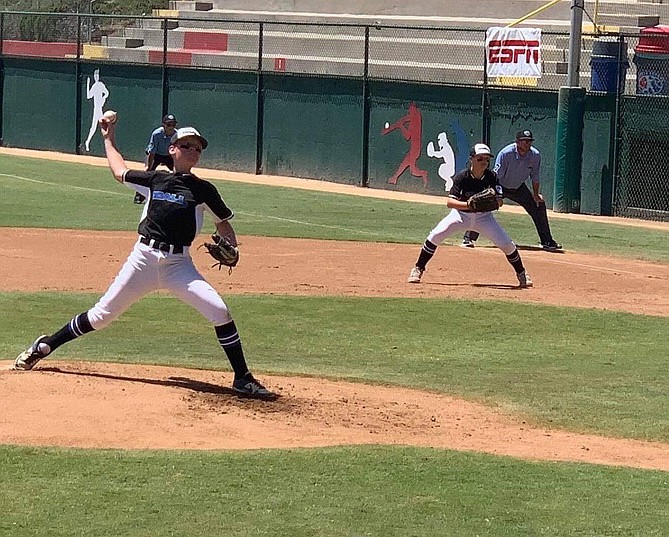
x=465 y=185
x=176 y=204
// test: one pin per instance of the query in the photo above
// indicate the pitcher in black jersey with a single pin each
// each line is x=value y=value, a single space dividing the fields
x=160 y=259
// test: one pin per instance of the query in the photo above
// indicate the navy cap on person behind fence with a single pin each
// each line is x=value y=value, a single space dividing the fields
x=169 y=118
x=524 y=135
x=185 y=132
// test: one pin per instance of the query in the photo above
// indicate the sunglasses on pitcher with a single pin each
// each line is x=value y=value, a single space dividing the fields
x=190 y=146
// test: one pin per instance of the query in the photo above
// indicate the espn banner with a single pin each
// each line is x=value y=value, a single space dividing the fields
x=513 y=52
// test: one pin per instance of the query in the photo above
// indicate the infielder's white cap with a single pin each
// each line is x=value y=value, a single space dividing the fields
x=185 y=132
x=480 y=149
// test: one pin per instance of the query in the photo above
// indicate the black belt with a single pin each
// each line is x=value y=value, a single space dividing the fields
x=162 y=246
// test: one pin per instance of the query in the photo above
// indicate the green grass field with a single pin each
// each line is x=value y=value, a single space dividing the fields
x=575 y=369
x=41 y=193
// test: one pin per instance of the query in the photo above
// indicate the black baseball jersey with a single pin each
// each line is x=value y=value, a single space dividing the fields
x=465 y=185
x=176 y=204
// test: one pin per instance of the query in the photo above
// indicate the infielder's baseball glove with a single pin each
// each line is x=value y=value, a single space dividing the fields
x=483 y=202
x=222 y=251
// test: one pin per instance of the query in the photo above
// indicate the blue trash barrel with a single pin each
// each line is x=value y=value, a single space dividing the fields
x=608 y=65
x=651 y=57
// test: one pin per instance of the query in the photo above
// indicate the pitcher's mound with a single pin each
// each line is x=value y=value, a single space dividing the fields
x=101 y=405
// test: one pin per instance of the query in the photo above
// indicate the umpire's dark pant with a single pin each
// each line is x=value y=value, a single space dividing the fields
x=523 y=197
x=165 y=160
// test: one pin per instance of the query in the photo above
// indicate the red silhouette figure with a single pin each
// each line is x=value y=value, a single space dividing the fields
x=411 y=126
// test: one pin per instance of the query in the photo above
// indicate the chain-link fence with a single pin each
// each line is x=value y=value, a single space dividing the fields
x=454 y=56
x=631 y=66
x=626 y=16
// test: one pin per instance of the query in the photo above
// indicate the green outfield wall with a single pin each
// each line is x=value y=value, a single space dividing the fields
x=39 y=105
x=514 y=110
x=224 y=105
x=315 y=127
x=450 y=120
x=135 y=91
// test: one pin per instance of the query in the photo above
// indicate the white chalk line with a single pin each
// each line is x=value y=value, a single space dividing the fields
x=124 y=194
x=313 y=224
x=60 y=185
x=604 y=269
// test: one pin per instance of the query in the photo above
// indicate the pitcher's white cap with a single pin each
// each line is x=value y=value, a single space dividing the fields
x=480 y=149
x=185 y=132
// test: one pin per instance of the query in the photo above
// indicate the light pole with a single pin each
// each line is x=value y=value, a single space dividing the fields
x=573 y=69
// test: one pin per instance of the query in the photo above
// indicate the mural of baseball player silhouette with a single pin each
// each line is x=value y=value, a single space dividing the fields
x=447 y=169
x=411 y=126
x=99 y=93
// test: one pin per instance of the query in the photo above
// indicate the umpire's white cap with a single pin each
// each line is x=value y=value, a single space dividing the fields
x=185 y=132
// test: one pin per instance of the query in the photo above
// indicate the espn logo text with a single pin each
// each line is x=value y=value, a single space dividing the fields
x=513 y=51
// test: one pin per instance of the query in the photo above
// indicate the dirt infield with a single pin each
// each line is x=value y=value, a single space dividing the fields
x=112 y=405
x=99 y=405
x=289 y=266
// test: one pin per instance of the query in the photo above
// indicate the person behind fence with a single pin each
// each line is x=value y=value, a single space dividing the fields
x=467 y=185
x=513 y=165
x=157 y=152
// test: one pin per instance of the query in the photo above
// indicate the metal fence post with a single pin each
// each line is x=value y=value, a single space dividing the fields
x=260 y=104
x=77 y=91
x=365 y=113
x=610 y=198
x=485 y=99
x=165 y=79
x=2 y=71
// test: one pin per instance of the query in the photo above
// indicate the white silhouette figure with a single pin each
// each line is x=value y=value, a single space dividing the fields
x=447 y=169
x=99 y=93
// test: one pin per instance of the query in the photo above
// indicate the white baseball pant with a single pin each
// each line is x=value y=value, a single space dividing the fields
x=460 y=221
x=146 y=270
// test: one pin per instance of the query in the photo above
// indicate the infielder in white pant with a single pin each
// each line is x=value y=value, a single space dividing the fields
x=476 y=178
x=160 y=259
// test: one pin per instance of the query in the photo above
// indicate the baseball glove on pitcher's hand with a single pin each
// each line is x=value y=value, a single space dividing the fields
x=483 y=202
x=222 y=251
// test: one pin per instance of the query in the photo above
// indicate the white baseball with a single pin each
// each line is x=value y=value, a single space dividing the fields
x=110 y=116
x=387 y=125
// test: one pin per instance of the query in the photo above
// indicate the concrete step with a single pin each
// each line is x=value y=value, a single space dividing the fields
x=513 y=9
x=587 y=44
x=270 y=17
x=153 y=37
x=629 y=20
x=122 y=42
x=128 y=55
x=433 y=72
x=189 y=38
x=171 y=23
x=384 y=45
